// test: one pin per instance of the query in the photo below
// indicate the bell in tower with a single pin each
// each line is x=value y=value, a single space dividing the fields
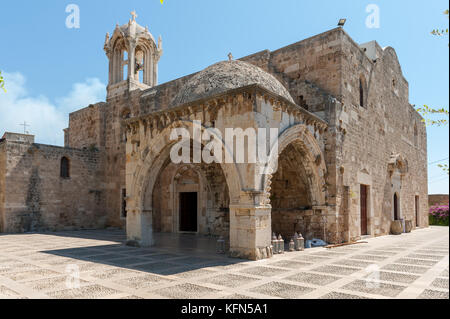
x=133 y=58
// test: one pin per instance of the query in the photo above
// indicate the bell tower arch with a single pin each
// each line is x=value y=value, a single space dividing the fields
x=133 y=57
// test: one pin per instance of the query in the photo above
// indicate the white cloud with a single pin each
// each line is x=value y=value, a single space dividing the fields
x=47 y=118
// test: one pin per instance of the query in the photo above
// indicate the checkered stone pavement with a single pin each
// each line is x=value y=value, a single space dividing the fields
x=96 y=264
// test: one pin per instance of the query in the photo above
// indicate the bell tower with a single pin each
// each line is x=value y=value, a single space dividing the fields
x=133 y=58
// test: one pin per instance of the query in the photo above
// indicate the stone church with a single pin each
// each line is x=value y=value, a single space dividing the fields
x=352 y=149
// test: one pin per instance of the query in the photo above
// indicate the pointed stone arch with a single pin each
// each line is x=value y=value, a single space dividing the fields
x=314 y=162
x=157 y=152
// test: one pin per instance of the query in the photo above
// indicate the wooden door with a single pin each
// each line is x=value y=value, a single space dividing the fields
x=188 y=212
x=364 y=210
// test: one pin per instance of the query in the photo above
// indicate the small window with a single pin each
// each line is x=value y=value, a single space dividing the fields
x=123 y=210
x=416 y=136
x=396 y=207
x=361 y=92
x=65 y=168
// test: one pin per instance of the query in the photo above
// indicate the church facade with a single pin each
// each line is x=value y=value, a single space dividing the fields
x=351 y=150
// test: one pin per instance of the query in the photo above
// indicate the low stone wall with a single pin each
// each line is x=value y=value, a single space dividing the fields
x=438 y=199
x=37 y=197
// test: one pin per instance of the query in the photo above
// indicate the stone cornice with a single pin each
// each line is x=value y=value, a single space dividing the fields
x=212 y=103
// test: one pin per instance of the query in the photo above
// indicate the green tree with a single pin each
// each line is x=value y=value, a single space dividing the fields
x=2 y=82
x=442 y=113
x=427 y=111
x=441 y=32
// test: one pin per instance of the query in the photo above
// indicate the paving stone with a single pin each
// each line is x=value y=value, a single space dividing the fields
x=185 y=291
x=230 y=280
x=128 y=261
x=191 y=260
x=369 y=257
x=315 y=279
x=290 y=264
x=418 y=262
x=5 y=292
x=88 y=292
x=156 y=266
x=340 y=295
x=433 y=294
x=131 y=297
x=30 y=275
x=441 y=283
x=263 y=271
x=329 y=253
x=194 y=273
x=377 y=288
x=43 y=261
x=336 y=270
x=311 y=258
x=422 y=256
x=16 y=266
x=282 y=290
x=406 y=268
x=395 y=277
x=161 y=256
x=354 y=263
x=382 y=253
x=142 y=282
x=237 y=297
x=54 y=283
x=113 y=273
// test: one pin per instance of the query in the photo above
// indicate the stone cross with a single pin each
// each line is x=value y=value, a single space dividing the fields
x=134 y=15
x=24 y=127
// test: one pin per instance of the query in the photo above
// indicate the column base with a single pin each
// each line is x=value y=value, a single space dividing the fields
x=252 y=254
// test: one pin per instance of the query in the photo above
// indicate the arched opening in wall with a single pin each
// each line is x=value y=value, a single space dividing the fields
x=140 y=63
x=291 y=197
x=190 y=198
x=125 y=66
x=396 y=207
x=65 y=168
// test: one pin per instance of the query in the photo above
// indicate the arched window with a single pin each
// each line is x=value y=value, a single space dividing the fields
x=65 y=167
x=361 y=92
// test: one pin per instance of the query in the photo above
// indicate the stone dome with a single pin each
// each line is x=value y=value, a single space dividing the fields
x=225 y=76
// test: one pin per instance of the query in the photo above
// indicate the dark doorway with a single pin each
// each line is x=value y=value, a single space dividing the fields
x=188 y=212
x=364 y=193
x=395 y=206
x=417 y=212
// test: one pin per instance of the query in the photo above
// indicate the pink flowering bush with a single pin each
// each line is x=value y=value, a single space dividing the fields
x=439 y=215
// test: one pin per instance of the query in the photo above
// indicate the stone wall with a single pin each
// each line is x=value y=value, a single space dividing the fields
x=2 y=182
x=371 y=134
x=323 y=75
x=38 y=199
x=436 y=199
x=86 y=127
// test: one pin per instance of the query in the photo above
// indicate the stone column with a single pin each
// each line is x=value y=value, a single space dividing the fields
x=140 y=228
x=250 y=232
x=150 y=70
x=132 y=61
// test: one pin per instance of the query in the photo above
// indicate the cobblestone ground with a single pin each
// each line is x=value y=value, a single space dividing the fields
x=412 y=265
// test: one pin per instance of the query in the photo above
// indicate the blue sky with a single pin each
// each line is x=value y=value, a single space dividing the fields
x=52 y=70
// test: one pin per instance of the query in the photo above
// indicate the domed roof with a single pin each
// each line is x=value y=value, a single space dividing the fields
x=225 y=76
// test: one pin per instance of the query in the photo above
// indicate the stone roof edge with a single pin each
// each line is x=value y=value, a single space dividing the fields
x=243 y=89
